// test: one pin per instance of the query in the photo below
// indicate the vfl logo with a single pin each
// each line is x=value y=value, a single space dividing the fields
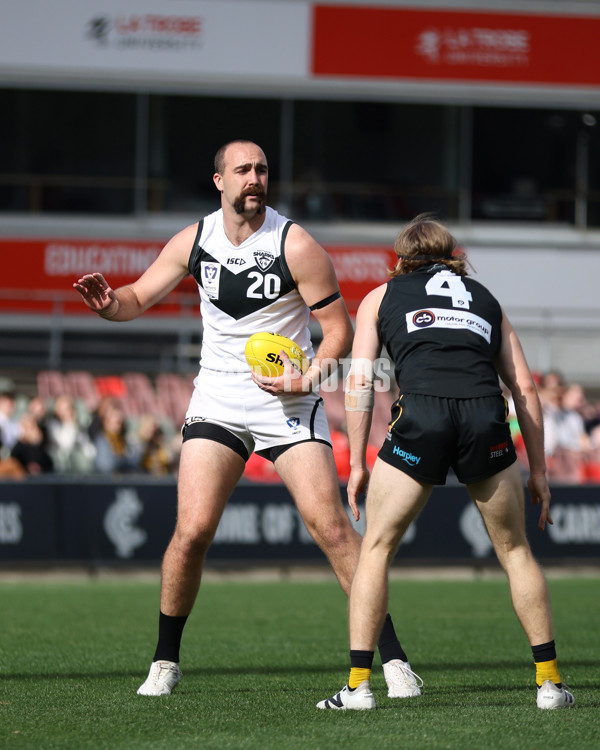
x=264 y=259
x=408 y=458
x=293 y=423
x=423 y=319
x=210 y=271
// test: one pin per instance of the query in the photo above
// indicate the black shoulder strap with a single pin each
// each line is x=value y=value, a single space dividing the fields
x=284 y=266
x=196 y=253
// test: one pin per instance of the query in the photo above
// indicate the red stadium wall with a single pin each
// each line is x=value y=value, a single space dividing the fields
x=39 y=273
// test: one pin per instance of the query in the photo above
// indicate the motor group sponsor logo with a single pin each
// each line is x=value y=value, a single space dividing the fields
x=483 y=47
x=406 y=456
x=423 y=319
x=496 y=451
x=264 y=259
x=149 y=30
x=442 y=318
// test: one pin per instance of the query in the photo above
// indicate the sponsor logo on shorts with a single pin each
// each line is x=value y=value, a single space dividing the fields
x=294 y=424
x=496 y=451
x=191 y=420
x=423 y=319
x=406 y=456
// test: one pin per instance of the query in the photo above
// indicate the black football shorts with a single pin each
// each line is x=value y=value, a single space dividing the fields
x=428 y=435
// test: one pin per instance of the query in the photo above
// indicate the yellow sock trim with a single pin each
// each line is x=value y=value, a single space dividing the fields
x=358 y=675
x=546 y=670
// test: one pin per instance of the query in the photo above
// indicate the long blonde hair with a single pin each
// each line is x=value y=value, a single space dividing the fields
x=426 y=240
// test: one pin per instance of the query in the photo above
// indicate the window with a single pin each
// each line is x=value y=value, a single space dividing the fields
x=186 y=133
x=374 y=161
x=65 y=151
x=524 y=164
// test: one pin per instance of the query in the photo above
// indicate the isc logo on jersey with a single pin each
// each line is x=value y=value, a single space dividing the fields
x=263 y=354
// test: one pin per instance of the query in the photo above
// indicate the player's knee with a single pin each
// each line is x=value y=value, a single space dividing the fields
x=334 y=535
x=195 y=540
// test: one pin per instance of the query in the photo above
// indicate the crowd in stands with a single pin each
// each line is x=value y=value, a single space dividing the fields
x=571 y=431
x=75 y=426
x=80 y=424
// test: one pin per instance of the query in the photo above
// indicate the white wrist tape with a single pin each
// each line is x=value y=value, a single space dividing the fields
x=359 y=386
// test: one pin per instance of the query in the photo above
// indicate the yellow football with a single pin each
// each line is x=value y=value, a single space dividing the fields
x=262 y=354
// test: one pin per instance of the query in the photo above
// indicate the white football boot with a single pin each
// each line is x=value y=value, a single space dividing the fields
x=359 y=699
x=402 y=682
x=550 y=695
x=163 y=678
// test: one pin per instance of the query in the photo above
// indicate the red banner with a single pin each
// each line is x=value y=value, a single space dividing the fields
x=385 y=42
x=37 y=275
x=360 y=269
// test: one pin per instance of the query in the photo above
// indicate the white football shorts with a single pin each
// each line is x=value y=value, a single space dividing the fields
x=259 y=419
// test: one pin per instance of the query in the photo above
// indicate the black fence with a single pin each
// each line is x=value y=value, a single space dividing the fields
x=104 y=522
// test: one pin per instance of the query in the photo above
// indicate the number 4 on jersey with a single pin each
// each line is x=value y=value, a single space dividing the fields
x=447 y=284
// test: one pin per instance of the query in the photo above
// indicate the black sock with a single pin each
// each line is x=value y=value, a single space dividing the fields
x=170 y=630
x=388 y=643
x=544 y=652
x=361 y=659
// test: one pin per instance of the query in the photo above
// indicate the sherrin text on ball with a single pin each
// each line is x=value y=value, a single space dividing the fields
x=263 y=354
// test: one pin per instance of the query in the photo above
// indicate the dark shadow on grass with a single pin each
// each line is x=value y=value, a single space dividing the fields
x=334 y=669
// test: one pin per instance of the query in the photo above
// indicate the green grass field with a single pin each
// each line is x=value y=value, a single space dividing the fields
x=257 y=656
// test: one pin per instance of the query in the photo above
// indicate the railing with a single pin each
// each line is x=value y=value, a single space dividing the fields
x=168 y=338
x=327 y=200
x=36 y=185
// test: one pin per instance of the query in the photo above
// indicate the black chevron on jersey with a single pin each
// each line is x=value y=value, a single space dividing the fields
x=241 y=293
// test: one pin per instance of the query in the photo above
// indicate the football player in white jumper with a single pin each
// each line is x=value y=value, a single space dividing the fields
x=256 y=271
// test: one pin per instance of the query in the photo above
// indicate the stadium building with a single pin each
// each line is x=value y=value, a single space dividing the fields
x=483 y=112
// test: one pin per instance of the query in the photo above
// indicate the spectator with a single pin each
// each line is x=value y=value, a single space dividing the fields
x=68 y=442
x=567 y=443
x=37 y=408
x=10 y=429
x=95 y=426
x=574 y=398
x=30 y=449
x=159 y=456
x=115 y=452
